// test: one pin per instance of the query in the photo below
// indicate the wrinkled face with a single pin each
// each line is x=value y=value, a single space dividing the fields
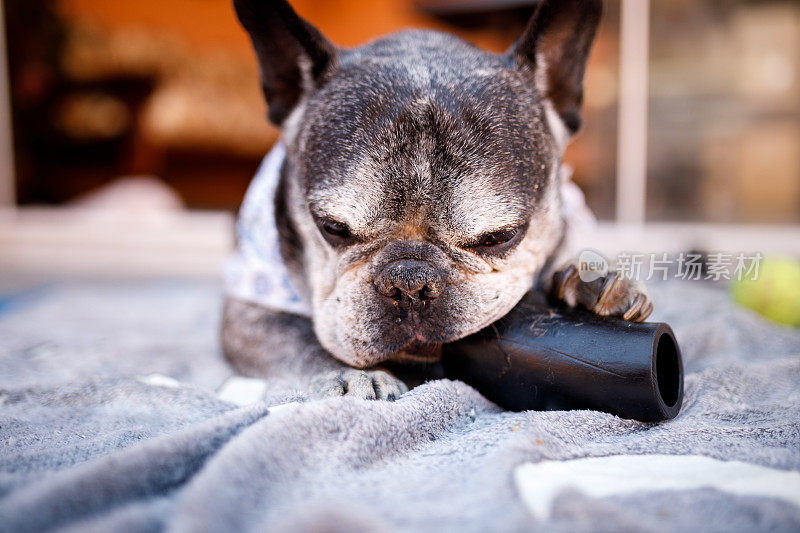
x=421 y=180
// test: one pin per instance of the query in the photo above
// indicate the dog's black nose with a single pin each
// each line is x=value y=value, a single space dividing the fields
x=408 y=279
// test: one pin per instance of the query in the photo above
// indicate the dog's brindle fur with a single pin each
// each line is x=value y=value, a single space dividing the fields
x=419 y=200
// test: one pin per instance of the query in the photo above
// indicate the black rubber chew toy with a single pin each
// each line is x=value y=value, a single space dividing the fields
x=572 y=360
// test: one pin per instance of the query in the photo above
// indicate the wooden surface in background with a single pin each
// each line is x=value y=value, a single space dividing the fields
x=213 y=23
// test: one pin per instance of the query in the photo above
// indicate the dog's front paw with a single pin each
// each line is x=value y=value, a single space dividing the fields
x=366 y=384
x=609 y=295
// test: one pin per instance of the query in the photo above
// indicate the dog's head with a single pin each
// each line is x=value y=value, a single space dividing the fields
x=419 y=197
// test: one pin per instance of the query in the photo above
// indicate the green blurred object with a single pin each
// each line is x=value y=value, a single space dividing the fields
x=775 y=293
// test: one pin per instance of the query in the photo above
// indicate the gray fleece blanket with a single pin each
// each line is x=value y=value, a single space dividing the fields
x=116 y=414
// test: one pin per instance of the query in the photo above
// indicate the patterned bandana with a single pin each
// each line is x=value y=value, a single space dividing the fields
x=256 y=273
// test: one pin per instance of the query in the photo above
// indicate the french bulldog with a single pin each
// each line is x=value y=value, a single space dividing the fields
x=417 y=197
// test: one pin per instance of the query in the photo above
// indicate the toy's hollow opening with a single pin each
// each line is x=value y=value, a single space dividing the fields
x=668 y=376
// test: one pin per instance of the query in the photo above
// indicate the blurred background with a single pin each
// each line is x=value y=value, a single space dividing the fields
x=131 y=129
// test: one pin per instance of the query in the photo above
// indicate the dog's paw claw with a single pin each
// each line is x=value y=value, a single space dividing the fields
x=610 y=295
x=364 y=384
x=640 y=309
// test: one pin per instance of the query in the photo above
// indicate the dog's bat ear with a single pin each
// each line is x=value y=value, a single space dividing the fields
x=554 y=48
x=293 y=56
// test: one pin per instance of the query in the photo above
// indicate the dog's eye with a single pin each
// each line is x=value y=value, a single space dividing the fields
x=497 y=238
x=497 y=242
x=336 y=233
